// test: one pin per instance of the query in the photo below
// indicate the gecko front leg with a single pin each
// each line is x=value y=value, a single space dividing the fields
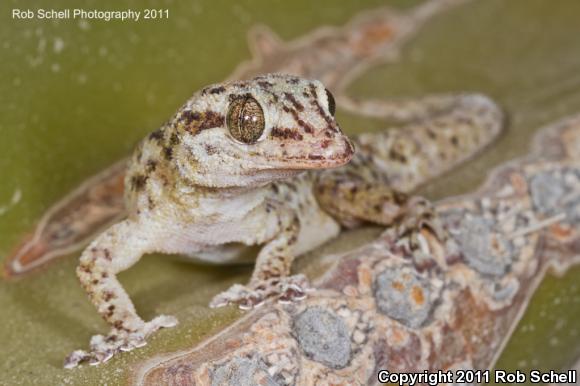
x=271 y=276
x=116 y=250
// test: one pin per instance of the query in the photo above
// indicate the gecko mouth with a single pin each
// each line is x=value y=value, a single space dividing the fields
x=321 y=158
x=292 y=167
x=312 y=161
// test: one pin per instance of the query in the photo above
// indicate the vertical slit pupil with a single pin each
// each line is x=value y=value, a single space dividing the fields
x=246 y=119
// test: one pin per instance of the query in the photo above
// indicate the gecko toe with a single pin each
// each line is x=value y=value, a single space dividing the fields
x=252 y=300
x=292 y=293
x=103 y=348
x=245 y=298
x=284 y=289
x=75 y=358
x=161 y=321
x=97 y=358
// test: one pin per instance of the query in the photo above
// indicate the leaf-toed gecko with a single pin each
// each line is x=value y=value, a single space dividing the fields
x=239 y=164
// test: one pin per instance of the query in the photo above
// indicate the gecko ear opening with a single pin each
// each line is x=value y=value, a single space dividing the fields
x=245 y=120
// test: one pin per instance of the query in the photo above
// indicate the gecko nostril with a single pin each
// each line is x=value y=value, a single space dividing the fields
x=349 y=147
x=334 y=127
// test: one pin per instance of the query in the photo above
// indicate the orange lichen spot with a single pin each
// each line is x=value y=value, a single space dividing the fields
x=397 y=337
x=232 y=344
x=365 y=276
x=397 y=285
x=271 y=337
x=562 y=232
x=417 y=295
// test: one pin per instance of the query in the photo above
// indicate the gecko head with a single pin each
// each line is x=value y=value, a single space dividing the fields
x=252 y=132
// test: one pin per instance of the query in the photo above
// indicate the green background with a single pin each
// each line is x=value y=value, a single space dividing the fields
x=74 y=97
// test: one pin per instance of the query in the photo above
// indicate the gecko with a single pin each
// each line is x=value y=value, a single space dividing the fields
x=264 y=162
x=334 y=55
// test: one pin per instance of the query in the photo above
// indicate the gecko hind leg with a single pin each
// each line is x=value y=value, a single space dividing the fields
x=440 y=133
x=271 y=277
x=353 y=200
x=116 y=250
x=413 y=226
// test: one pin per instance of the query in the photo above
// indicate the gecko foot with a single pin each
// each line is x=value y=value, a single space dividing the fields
x=285 y=289
x=421 y=235
x=102 y=348
x=420 y=214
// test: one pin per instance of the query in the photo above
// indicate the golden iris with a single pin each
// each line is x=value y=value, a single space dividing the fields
x=245 y=119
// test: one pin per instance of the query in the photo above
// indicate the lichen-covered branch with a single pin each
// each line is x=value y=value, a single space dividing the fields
x=443 y=305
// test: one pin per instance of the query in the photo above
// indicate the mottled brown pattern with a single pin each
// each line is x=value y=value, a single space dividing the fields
x=217 y=90
x=209 y=120
x=323 y=115
x=265 y=84
x=151 y=165
x=297 y=105
x=188 y=116
x=286 y=133
x=168 y=153
x=138 y=182
x=156 y=135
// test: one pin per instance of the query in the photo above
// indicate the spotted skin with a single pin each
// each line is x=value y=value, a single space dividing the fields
x=390 y=164
x=334 y=55
x=192 y=189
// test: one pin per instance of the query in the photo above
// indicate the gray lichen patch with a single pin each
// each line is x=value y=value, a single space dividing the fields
x=546 y=190
x=504 y=291
x=484 y=250
x=242 y=371
x=323 y=336
x=403 y=295
x=556 y=192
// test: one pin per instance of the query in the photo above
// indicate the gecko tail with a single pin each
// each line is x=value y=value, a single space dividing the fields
x=34 y=251
x=72 y=222
x=28 y=253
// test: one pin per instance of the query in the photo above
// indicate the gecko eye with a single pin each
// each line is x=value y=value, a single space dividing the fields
x=245 y=119
x=331 y=102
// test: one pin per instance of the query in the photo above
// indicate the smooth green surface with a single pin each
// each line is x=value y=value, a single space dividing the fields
x=75 y=97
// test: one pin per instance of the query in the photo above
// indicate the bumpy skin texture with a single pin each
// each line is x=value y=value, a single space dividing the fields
x=389 y=164
x=192 y=189
x=335 y=56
